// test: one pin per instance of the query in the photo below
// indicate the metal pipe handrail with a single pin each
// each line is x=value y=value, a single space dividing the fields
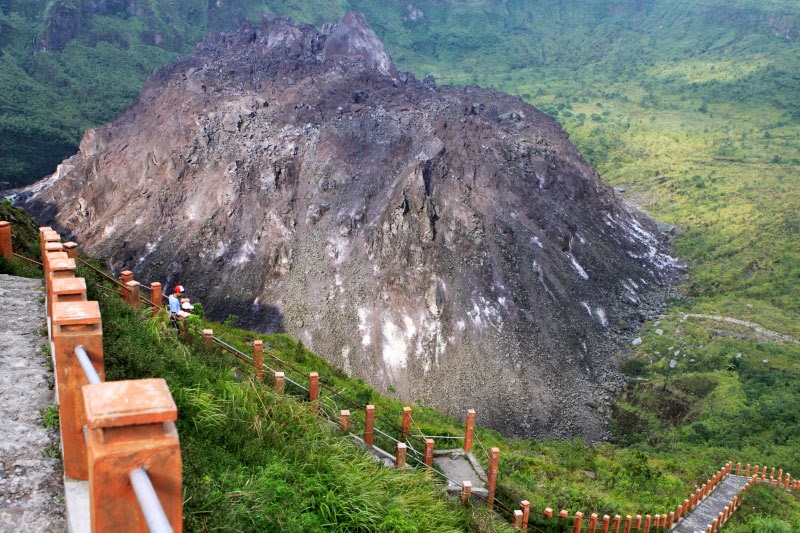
x=88 y=369
x=101 y=273
x=152 y=510
x=28 y=259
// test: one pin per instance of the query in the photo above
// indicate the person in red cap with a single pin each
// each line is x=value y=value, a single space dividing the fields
x=175 y=305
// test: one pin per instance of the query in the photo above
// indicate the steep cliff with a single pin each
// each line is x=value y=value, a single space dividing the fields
x=448 y=242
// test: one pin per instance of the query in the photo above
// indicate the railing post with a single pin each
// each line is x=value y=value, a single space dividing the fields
x=747 y=470
x=576 y=526
x=429 y=453
x=125 y=276
x=344 y=420
x=405 y=428
x=494 y=464
x=786 y=482
x=130 y=425
x=470 y=427
x=72 y=249
x=6 y=249
x=647 y=520
x=517 y=522
x=627 y=524
x=69 y=289
x=466 y=492
x=638 y=525
x=593 y=523
x=738 y=468
x=526 y=513
x=616 y=524
x=369 y=425
x=156 y=296
x=400 y=456
x=548 y=512
x=75 y=324
x=258 y=358
x=134 y=293
x=606 y=523
x=279 y=385
x=65 y=289
x=57 y=265
x=313 y=391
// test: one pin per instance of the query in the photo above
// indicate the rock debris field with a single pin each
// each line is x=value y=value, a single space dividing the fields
x=31 y=480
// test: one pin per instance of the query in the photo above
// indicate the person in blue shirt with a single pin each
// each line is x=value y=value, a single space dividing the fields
x=175 y=305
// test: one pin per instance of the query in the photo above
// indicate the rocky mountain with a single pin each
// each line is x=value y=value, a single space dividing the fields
x=446 y=243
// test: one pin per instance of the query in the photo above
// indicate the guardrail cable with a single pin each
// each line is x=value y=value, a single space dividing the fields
x=28 y=259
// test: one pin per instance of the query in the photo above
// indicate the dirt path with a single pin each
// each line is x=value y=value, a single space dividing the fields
x=31 y=482
x=752 y=325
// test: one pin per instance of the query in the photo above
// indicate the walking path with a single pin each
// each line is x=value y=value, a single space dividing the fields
x=705 y=513
x=31 y=483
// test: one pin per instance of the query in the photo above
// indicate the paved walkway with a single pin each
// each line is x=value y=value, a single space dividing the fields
x=31 y=484
x=709 y=509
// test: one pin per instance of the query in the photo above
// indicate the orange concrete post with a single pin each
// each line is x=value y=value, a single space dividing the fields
x=466 y=492
x=428 y=453
x=526 y=513
x=208 y=338
x=715 y=524
x=313 y=391
x=638 y=525
x=258 y=358
x=470 y=428
x=747 y=470
x=517 y=521
x=58 y=266
x=125 y=276
x=576 y=526
x=548 y=512
x=405 y=428
x=72 y=249
x=764 y=475
x=156 y=296
x=780 y=476
x=738 y=468
x=279 y=385
x=606 y=524
x=647 y=520
x=772 y=472
x=344 y=420
x=616 y=524
x=755 y=471
x=593 y=523
x=400 y=456
x=130 y=425
x=664 y=520
x=134 y=294
x=681 y=508
x=494 y=465
x=786 y=481
x=627 y=528
x=5 y=240
x=670 y=519
x=65 y=289
x=70 y=289
x=563 y=514
x=369 y=425
x=75 y=324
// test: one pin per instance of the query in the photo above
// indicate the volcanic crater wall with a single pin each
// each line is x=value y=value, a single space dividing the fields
x=449 y=242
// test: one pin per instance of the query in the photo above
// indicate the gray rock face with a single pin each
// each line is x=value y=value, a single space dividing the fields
x=449 y=242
